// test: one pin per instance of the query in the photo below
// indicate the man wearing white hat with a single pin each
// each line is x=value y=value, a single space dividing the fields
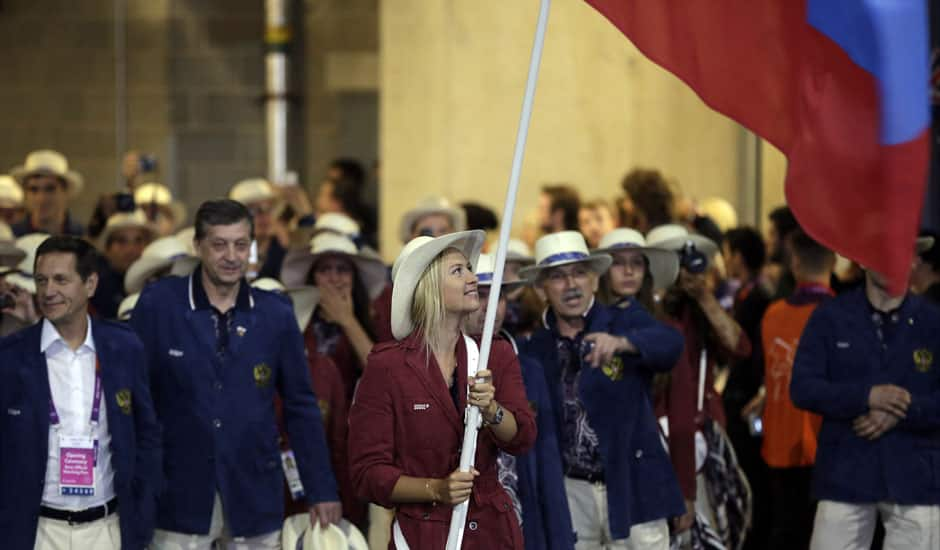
x=534 y=480
x=432 y=217
x=11 y=200
x=122 y=242
x=48 y=185
x=260 y=198
x=157 y=202
x=620 y=485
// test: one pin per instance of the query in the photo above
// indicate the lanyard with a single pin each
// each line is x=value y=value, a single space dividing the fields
x=95 y=403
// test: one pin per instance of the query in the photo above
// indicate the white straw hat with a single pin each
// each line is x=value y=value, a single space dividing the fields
x=11 y=194
x=663 y=264
x=354 y=537
x=486 y=266
x=125 y=220
x=297 y=533
x=23 y=276
x=126 y=308
x=165 y=252
x=518 y=251
x=411 y=263
x=674 y=237
x=563 y=248
x=427 y=207
x=252 y=190
x=337 y=223
x=47 y=162
x=153 y=193
x=298 y=262
x=10 y=255
x=304 y=299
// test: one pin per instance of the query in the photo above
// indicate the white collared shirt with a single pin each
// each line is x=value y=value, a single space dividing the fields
x=72 y=382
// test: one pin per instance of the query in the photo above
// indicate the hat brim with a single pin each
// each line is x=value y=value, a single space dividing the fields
x=663 y=264
x=18 y=279
x=10 y=255
x=108 y=231
x=293 y=529
x=675 y=244
x=146 y=266
x=457 y=216
x=598 y=263
x=412 y=267
x=320 y=538
x=299 y=261
x=354 y=537
x=74 y=183
x=305 y=300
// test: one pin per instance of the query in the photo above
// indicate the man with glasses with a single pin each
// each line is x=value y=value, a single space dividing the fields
x=48 y=185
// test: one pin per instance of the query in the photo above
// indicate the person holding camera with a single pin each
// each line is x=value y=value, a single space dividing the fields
x=18 y=308
x=620 y=486
x=689 y=400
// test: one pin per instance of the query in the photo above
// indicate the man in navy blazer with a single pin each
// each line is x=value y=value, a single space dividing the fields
x=620 y=484
x=47 y=397
x=218 y=350
x=869 y=363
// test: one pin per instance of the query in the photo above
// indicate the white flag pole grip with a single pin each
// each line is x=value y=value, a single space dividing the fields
x=473 y=418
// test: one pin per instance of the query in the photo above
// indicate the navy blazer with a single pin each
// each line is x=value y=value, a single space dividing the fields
x=221 y=434
x=24 y=433
x=546 y=520
x=838 y=361
x=641 y=484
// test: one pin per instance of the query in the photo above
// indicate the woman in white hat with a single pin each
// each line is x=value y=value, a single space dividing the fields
x=406 y=424
x=637 y=270
x=348 y=280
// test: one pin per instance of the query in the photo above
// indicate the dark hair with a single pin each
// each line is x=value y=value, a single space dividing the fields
x=87 y=259
x=785 y=223
x=221 y=212
x=750 y=244
x=644 y=296
x=479 y=216
x=931 y=256
x=652 y=196
x=565 y=198
x=350 y=169
x=814 y=258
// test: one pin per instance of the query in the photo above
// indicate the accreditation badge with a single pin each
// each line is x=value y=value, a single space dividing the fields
x=923 y=359
x=77 y=465
x=292 y=475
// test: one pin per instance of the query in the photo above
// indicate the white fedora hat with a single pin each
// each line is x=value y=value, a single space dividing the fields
x=11 y=194
x=663 y=264
x=298 y=262
x=297 y=533
x=126 y=308
x=563 y=248
x=10 y=255
x=486 y=266
x=157 y=194
x=46 y=162
x=674 y=237
x=23 y=276
x=518 y=251
x=337 y=223
x=304 y=299
x=125 y=220
x=411 y=263
x=252 y=190
x=164 y=253
x=354 y=537
x=187 y=236
x=427 y=207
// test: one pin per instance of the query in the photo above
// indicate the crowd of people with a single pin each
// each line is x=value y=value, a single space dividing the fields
x=661 y=376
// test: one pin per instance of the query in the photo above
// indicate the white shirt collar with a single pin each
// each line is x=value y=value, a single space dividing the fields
x=50 y=335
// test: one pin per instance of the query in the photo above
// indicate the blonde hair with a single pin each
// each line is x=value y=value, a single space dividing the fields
x=427 y=307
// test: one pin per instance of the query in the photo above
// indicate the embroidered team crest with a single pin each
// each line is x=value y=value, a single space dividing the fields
x=923 y=359
x=124 y=401
x=613 y=369
x=324 y=409
x=262 y=374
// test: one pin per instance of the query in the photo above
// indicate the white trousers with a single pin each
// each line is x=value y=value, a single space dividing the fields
x=218 y=538
x=589 y=516
x=844 y=526
x=102 y=534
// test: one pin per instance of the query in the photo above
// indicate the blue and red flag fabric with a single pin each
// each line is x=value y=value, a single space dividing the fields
x=840 y=86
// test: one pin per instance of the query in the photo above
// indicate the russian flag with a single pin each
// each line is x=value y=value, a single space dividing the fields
x=840 y=86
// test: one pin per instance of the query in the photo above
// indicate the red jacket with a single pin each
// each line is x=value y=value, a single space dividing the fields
x=404 y=422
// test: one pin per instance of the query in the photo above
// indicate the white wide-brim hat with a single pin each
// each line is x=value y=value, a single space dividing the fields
x=10 y=255
x=663 y=264
x=298 y=533
x=157 y=194
x=298 y=262
x=674 y=237
x=165 y=252
x=411 y=263
x=126 y=308
x=486 y=267
x=304 y=299
x=46 y=162
x=11 y=194
x=252 y=190
x=518 y=251
x=125 y=220
x=337 y=223
x=427 y=207
x=354 y=537
x=23 y=276
x=564 y=248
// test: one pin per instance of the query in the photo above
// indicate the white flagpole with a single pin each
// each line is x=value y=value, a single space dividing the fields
x=473 y=419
